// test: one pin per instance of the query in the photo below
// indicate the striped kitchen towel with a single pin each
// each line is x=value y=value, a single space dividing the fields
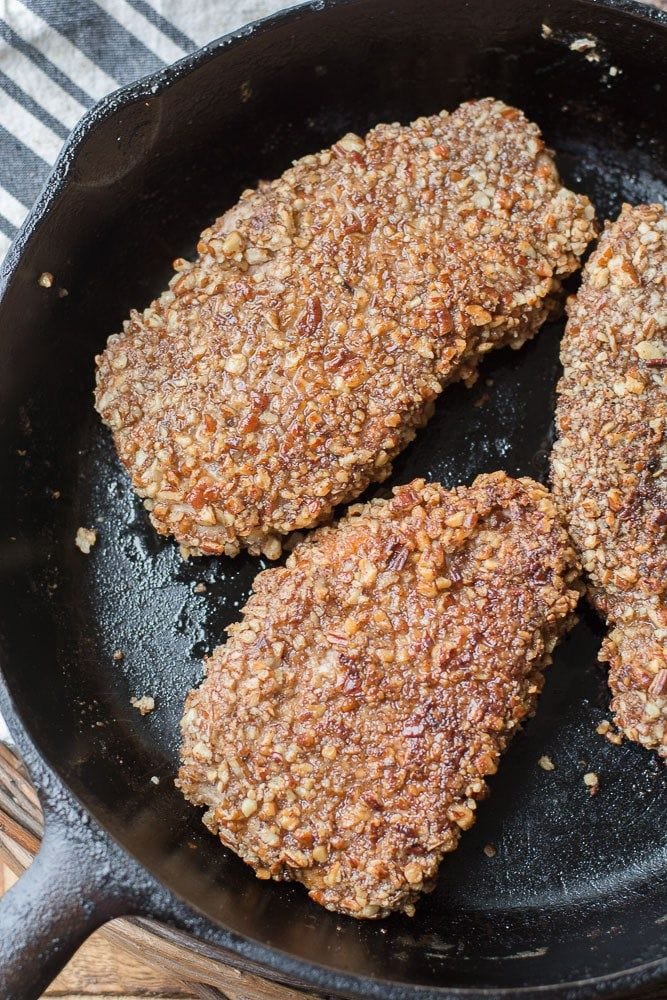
x=58 y=57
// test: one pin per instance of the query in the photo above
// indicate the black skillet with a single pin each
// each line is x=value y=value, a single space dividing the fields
x=573 y=903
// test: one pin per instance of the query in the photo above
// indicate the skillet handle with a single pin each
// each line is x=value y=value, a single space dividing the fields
x=79 y=879
x=50 y=911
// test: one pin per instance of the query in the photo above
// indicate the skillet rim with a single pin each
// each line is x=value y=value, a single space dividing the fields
x=266 y=959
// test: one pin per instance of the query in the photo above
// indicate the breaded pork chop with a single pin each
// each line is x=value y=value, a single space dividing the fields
x=285 y=368
x=344 y=732
x=610 y=461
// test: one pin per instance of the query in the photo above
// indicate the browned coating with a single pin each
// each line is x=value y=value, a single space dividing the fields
x=285 y=368
x=344 y=732
x=609 y=463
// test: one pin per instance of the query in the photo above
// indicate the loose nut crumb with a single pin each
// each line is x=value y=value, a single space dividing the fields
x=155 y=780
x=592 y=782
x=199 y=588
x=546 y=763
x=588 y=47
x=118 y=654
x=547 y=32
x=490 y=850
x=145 y=704
x=85 y=539
x=583 y=44
x=45 y=279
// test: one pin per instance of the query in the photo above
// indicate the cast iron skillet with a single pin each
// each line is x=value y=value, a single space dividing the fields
x=573 y=903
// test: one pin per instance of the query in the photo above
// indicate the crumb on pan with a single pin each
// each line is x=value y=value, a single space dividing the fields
x=285 y=368
x=85 y=539
x=144 y=705
x=45 y=279
x=592 y=782
x=344 y=732
x=546 y=763
x=583 y=44
x=588 y=46
x=609 y=463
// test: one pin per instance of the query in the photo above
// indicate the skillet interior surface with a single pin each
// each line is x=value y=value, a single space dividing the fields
x=576 y=888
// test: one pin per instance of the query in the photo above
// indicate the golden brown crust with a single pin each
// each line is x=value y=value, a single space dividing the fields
x=609 y=463
x=285 y=368
x=344 y=732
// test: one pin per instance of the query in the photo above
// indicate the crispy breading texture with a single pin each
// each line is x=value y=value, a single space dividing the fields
x=609 y=463
x=285 y=368
x=344 y=732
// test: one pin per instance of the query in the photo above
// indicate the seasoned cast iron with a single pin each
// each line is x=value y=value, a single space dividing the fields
x=573 y=904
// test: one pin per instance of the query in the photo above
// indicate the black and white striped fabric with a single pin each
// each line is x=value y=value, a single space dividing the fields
x=58 y=57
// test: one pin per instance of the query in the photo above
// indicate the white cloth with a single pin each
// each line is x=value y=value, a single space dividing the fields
x=58 y=58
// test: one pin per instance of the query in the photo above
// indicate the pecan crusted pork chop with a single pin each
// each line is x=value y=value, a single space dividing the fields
x=609 y=466
x=344 y=732
x=284 y=369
